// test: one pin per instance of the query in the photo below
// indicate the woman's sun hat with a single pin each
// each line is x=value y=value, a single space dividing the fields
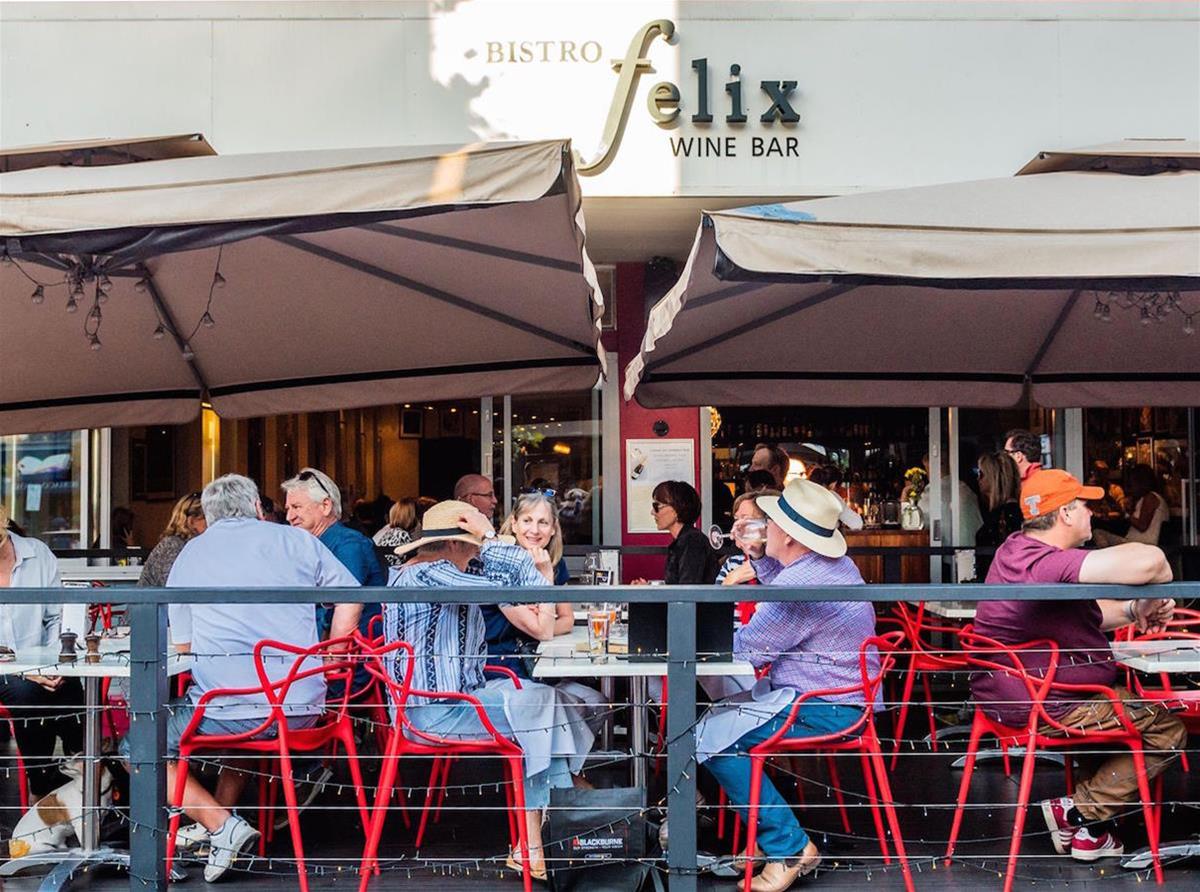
x=808 y=512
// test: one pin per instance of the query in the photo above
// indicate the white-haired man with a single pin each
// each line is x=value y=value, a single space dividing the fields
x=239 y=550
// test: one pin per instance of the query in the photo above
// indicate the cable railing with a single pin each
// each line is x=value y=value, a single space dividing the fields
x=150 y=664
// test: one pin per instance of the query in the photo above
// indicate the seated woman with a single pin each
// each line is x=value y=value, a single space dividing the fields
x=1148 y=513
x=1000 y=494
x=514 y=630
x=55 y=702
x=690 y=559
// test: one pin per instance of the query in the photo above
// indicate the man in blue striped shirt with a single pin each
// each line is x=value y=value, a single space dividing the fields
x=459 y=548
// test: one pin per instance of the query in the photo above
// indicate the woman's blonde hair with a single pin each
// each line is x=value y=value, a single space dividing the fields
x=187 y=507
x=3 y=524
x=751 y=497
x=403 y=514
x=525 y=503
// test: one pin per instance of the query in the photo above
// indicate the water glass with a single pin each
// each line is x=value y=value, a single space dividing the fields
x=598 y=622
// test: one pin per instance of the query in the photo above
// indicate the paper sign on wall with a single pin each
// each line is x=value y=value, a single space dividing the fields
x=647 y=464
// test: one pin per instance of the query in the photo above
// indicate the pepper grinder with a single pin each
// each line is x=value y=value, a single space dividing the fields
x=93 y=648
x=66 y=649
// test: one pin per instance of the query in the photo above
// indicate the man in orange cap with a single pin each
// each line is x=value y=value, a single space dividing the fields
x=1047 y=550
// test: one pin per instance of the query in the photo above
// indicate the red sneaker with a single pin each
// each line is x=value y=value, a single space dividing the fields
x=1062 y=831
x=1085 y=847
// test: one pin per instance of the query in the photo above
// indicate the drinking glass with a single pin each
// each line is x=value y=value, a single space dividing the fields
x=598 y=621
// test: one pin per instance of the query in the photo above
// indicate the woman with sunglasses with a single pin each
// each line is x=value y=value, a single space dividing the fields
x=514 y=630
x=690 y=559
x=187 y=521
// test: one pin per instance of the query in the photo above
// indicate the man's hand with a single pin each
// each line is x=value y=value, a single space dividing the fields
x=740 y=574
x=50 y=683
x=475 y=523
x=1151 y=615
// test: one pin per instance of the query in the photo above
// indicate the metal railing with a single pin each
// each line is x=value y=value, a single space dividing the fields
x=149 y=680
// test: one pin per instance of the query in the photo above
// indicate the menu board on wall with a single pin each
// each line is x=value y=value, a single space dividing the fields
x=647 y=464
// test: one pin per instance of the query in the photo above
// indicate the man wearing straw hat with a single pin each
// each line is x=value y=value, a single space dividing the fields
x=809 y=646
x=459 y=547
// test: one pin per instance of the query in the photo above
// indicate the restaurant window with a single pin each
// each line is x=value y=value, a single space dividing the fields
x=555 y=446
x=42 y=484
x=1116 y=442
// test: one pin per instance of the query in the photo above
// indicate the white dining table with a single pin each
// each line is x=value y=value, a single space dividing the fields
x=114 y=663
x=566 y=656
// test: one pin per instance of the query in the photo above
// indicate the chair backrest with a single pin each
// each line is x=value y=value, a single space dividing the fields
x=885 y=646
x=995 y=656
x=917 y=626
x=334 y=659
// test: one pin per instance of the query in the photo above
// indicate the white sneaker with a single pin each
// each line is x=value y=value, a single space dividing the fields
x=228 y=844
x=192 y=838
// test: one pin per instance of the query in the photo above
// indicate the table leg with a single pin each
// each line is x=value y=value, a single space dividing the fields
x=639 y=711
x=608 y=689
x=91 y=765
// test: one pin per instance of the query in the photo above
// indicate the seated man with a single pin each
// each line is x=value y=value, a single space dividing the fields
x=1057 y=522
x=239 y=550
x=458 y=547
x=803 y=547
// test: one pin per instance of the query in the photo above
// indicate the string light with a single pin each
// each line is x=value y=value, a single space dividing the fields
x=1152 y=306
x=160 y=331
x=39 y=294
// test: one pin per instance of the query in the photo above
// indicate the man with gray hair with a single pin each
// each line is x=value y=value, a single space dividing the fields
x=240 y=551
x=314 y=504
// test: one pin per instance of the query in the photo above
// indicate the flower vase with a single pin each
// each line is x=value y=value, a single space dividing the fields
x=911 y=517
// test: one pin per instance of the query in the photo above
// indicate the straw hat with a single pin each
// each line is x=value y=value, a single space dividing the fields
x=440 y=524
x=808 y=512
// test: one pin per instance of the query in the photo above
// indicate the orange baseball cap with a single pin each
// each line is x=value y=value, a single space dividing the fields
x=1046 y=491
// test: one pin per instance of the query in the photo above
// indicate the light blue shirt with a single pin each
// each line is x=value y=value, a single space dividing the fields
x=24 y=626
x=244 y=553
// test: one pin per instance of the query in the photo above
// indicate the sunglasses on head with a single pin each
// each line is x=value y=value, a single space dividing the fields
x=531 y=490
x=305 y=476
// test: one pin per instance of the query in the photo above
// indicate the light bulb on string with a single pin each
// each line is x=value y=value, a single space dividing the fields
x=218 y=280
x=101 y=294
x=1146 y=317
x=188 y=354
x=94 y=341
x=5 y=259
x=72 y=304
x=141 y=284
x=160 y=331
x=1189 y=326
x=207 y=320
x=39 y=294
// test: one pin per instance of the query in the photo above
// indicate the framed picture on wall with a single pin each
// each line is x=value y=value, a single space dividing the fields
x=606 y=275
x=152 y=465
x=412 y=424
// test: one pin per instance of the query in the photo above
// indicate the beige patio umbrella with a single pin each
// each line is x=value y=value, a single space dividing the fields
x=97 y=152
x=1079 y=278
x=291 y=282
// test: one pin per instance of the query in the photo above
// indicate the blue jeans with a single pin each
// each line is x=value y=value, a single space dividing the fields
x=779 y=833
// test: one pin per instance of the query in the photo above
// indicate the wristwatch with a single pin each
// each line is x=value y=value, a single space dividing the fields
x=490 y=534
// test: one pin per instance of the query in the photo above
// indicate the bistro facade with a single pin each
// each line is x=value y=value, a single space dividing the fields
x=671 y=108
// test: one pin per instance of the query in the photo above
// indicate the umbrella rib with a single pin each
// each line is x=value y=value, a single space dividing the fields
x=430 y=291
x=756 y=324
x=165 y=314
x=724 y=294
x=447 y=241
x=1052 y=334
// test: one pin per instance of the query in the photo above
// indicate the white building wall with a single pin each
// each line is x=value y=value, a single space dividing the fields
x=890 y=94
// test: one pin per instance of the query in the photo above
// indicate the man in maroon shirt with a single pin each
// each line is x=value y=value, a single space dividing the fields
x=1057 y=522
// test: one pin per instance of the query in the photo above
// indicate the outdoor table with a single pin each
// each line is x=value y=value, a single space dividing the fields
x=950 y=609
x=566 y=656
x=114 y=664
x=1179 y=657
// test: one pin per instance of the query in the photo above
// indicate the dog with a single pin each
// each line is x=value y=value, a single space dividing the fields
x=48 y=825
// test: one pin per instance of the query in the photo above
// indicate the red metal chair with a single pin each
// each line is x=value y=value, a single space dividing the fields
x=22 y=777
x=334 y=728
x=860 y=737
x=407 y=740
x=988 y=654
x=923 y=659
x=1185 y=702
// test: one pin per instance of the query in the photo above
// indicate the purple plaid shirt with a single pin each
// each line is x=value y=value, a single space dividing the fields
x=810 y=645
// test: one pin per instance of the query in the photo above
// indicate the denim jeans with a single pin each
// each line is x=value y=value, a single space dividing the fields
x=779 y=833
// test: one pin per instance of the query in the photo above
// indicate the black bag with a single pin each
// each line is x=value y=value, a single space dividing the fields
x=593 y=839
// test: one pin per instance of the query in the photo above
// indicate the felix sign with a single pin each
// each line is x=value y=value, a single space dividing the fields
x=665 y=103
